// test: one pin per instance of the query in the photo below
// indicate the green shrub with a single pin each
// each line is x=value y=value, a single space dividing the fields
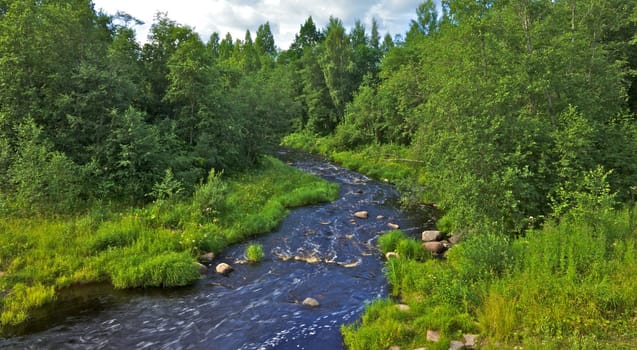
x=165 y=270
x=389 y=241
x=254 y=253
x=209 y=198
x=481 y=256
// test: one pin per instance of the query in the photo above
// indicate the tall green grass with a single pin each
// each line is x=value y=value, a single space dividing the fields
x=381 y=162
x=569 y=285
x=254 y=253
x=153 y=246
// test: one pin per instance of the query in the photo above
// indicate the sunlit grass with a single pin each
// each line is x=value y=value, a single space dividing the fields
x=572 y=284
x=254 y=253
x=154 y=246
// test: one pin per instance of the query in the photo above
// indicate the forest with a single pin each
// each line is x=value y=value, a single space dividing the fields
x=514 y=121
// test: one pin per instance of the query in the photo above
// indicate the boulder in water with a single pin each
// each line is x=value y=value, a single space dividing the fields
x=207 y=258
x=361 y=214
x=393 y=226
x=223 y=268
x=311 y=302
x=203 y=269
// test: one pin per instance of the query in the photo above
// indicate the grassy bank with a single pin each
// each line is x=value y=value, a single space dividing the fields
x=153 y=246
x=385 y=163
x=568 y=284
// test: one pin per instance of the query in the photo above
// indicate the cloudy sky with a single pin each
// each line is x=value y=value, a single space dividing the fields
x=285 y=16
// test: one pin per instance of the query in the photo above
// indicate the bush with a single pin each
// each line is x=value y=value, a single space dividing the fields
x=482 y=256
x=209 y=197
x=254 y=253
x=389 y=241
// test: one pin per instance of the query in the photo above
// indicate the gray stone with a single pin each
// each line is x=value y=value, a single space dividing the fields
x=428 y=236
x=203 y=269
x=207 y=258
x=456 y=345
x=455 y=239
x=223 y=268
x=393 y=226
x=311 y=302
x=433 y=336
x=403 y=307
x=471 y=341
x=434 y=247
x=392 y=255
x=361 y=214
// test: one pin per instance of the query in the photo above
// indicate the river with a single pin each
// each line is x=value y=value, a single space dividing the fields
x=257 y=306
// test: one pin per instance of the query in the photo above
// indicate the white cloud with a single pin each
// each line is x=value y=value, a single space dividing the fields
x=285 y=16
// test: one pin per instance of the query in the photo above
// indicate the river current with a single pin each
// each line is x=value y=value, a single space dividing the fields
x=320 y=251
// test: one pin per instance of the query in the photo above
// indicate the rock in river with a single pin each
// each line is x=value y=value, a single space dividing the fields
x=361 y=214
x=311 y=302
x=224 y=269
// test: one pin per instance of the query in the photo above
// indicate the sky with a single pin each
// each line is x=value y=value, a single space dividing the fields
x=285 y=16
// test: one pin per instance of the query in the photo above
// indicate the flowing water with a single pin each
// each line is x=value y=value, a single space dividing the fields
x=320 y=251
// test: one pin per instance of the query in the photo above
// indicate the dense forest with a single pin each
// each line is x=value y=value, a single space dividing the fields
x=514 y=119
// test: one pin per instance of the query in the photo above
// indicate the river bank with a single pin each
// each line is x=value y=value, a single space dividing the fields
x=319 y=251
x=152 y=246
x=569 y=283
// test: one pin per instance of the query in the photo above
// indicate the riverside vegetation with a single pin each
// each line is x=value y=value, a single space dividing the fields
x=514 y=119
x=515 y=122
x=151 y=246
x=567 y=282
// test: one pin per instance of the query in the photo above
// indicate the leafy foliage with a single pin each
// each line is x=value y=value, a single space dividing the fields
x=254 y=253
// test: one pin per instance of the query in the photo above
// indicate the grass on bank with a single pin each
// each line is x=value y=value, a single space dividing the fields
x=571 y=284
x=386 y=163
x=154 y=246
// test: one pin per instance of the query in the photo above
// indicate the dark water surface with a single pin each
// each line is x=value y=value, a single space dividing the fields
x=256 y=306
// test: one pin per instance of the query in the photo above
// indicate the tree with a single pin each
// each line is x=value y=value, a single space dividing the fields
x=265 y=40
x=337 y=65
x=249 y=56
x=226 y=47
x=322 y=115
x=165 y=36
x=308 y=36
x=192 y=82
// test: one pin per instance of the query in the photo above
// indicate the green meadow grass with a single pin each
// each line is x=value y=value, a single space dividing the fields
x=568 y=285
x=381 y=162
x=153 y=246
x=571 y=284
